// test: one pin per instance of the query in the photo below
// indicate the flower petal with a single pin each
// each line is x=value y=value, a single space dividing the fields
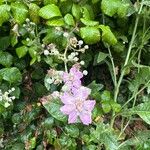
x=72 y=117
x=67 y=109
x=82 y=92
x=89 y=105
x=85 y=117
x=67 y=98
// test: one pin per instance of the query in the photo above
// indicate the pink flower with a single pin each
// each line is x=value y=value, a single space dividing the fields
x=72 y=79
x=76 y=105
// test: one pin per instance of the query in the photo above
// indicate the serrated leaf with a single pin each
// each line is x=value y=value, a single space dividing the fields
x=20 y=12
x=69 y=20
x=4 y=42
x=72 y=130
x=49 y=11
x=76 y=11
x=12 y=75
x=21 y=51
x=6 y=59
x=143 y=110
x=112 y=7
x=141 y=78
x=107 y=35
x=55 y=22
x=4 y=13
x=53 y=107
x=90 y=35
x=34 y=12
x=89 y=22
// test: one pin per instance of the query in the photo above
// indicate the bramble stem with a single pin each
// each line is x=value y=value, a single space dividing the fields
x=116 y=92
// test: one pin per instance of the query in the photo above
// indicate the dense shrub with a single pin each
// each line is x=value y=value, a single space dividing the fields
x=74 y=74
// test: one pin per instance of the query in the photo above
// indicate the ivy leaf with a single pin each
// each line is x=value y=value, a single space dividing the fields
x=12 y=75
x=21 y=51
x=20 y=12
x=107 y=35
x=90 y=35
x=89 y=22
x=69 y=20
x=6 y=59
x=143 y=110
x=76 y=11
x=33 y=12
x=4 y=13
x=49 y=11
x=53 y=107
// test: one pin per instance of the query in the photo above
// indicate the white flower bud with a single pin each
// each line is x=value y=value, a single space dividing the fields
x=85 y=72
x=80 y=42
x=76 y=59
x=70 y=57
x=77 y=53
x=73 y=54
x=86 y=47
x=46 y=52
x=13 y=97
x=82 y=62
x=65 y=34
x=6 y=105
x=43 y=45
x=27 y=39
x=12 y=89
x=27 y=20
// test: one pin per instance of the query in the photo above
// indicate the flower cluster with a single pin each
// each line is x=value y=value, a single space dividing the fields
x=75 y=97
x=5 y=98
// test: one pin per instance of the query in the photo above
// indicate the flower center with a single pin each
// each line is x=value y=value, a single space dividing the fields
x=79 y=105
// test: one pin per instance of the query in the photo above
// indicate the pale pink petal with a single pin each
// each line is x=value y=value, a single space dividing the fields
x=65 y=76
x=67 y=109
x=67 y=98
x=85 y=117
x=89 y=105
x=82 y=92
x=72 y=117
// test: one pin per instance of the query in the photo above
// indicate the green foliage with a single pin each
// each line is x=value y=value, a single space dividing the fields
x=39 y=36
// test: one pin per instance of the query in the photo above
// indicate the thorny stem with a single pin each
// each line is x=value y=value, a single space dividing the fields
x=126 y=61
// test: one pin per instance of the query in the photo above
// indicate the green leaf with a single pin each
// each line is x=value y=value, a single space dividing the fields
x=56 y=22
x=88 y=13
x=143 y=110
x=6 y=59
x=89 y=22
x=110 y=7
x=12 y=75
x=34 y=12
x=46 y=2
x=20 y=12
x=90 y=35
x=103 y=134
x=4 y=42
x=76 y=11
x=49 y=11
x=95 y=90
x=21 y=51
x=141 y=79
x=4 y=13
x=72 y=131
x=53 y=107
x=107 y=35
x=101 y=57
x=69 y=20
